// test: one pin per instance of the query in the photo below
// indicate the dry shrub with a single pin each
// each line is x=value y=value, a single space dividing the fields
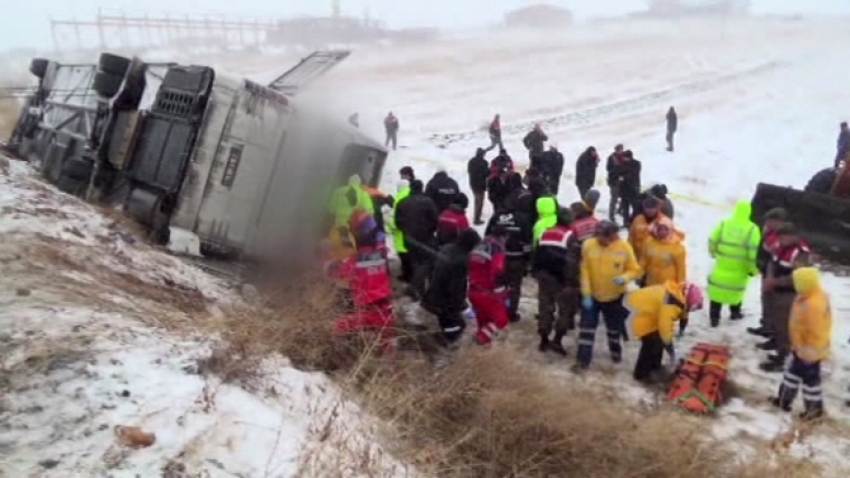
x=10 y=108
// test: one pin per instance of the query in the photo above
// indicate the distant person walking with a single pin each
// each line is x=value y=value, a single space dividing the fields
x=586 y=170
x=843 y=144
x=391 y=127
x=495 y=134
x=672 y=125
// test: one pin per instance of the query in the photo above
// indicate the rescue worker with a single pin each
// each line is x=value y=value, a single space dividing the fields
x=338 y=246
x=664 y=256
x=391 y=128
x=495 y=131
x=629 y=186
x=614 y=167
x=586 y=165
x=402 y=192
x=501 y=164
x=488 y=285
x=498 y=188
x=369 y=285
x=547 y=216
x=585 y=223
x=442 y=189
x=453 y=220
x=653 y=313
x=790 y=253
x=345 y=199
x=407 y=173
x=446 y=294
x=769 y=240
x=552 y=166
x=533 y=141
x=672 y=126
x=658 y=191
x=810 y=327
x=608 y=264
x=517 y=225
x=379 y=200
x=516 y=195
x=639 y=229
x=556 y=268
x=416 y=216
x=733 y=245
x=477 y=169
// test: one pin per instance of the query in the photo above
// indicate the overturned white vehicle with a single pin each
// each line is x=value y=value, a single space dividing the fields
x=230 y=160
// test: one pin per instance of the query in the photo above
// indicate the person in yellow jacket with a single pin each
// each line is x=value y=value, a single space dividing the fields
x=810 y=327
x=653 y=313
x=608 y=264
x=639 y=228
x=664 y=255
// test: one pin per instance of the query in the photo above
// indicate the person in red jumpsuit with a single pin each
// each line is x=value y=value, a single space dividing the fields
x=487 y=285
x=369 y=284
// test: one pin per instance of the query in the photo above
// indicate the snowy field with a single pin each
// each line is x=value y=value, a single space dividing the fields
x=84 y=342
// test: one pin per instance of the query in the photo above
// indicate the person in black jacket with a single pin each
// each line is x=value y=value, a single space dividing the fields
x=552 y=166
x=629 y=186
x=614 y=167
x=416 y=216
x=586 y=170
x=658 y=191
x=442 y=189
x=534 y=140
x=446 y=294
x=517 y=247
x=478 y=170
x=498 y=188
x=672 y=126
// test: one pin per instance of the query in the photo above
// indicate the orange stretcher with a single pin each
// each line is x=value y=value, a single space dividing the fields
x=698 y=379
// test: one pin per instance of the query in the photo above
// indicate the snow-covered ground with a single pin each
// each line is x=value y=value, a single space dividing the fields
x=758 y=100
x=86 y=310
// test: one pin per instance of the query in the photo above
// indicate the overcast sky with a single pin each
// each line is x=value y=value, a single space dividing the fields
x=26 y=23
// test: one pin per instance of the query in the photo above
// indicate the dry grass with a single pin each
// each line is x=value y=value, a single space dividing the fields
x=485 y=414
x=10 y=108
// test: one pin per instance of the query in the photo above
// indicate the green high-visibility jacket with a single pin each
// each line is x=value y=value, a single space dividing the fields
x=734 y=245
x=398 y=236
x=547 y=216
x=341 y=208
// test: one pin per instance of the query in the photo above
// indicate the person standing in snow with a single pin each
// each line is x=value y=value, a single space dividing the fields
x=488 y=285
x=672 y=125
x=495 y=131
x=733 y=245
x=556 y=268
x=547 y=216
x=477 y=169
x=345 y=199
x=501 y=163
x=653 y=313
x=607 y=266
x=552 y=164
x=517 y=225
x=843 y=143
x=498 y=186
x=354 y=120
x=769 y=242
x=658 y=191
x=533 y=142
x=416 y=217
x=790 y=253
x=442 y=189
x=639 y=228
x=586 y=170
x=629 y=186
x=810 y=330
x=453 y=220
x=406 y=175
x=585 y=223
x=391 y=128
x=664 y=257
x=614 y=167
x=447 y=287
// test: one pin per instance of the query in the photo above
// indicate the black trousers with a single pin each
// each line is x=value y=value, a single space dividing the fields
x=406 y=266
x=650 y=356
x=714 y=309
x=452 y=325
x=515 y=268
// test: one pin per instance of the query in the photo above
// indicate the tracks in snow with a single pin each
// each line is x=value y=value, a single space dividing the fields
x=589 y=115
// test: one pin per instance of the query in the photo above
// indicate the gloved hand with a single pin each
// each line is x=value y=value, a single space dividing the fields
x=619 y=280
x=587 y=302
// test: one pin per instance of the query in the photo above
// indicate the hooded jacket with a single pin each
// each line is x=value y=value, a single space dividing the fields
x=447 y=288
x=810 y=324
x=442 y=189
x=346 y=199
x=547 y=216
x=601 y=265
x=664 y=260
x=655 y=308
x=450 y=223
x=586 y=169
x=416 y=217
x=733 y=244
x=478 y=170
x=398 y=236
x=639 y=232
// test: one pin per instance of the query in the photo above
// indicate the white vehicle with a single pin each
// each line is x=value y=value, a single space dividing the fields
x=230 y=160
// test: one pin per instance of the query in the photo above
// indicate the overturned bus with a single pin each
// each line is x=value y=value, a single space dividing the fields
x=232 y=161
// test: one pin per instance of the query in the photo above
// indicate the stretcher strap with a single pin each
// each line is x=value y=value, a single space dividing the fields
x=703 y=363
x=694 y=392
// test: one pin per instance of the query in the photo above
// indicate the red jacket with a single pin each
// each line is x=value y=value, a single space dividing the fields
x=449 y=224
x=487 y=266
x=584 y=228
x=367 y=276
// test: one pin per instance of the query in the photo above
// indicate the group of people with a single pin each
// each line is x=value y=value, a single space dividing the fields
x=637 y=285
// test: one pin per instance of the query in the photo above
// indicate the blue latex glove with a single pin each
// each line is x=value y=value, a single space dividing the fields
x=619 y=280
x=587 y=302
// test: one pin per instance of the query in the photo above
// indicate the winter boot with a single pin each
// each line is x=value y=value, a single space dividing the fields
x=767 y=346
x=556 y=345
x=735 y=312
x=544 y=342
x=776 y=402
x=759 y=331
x=772 y=366
x=714 y=313
x=812 y=414
x=579 y=368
